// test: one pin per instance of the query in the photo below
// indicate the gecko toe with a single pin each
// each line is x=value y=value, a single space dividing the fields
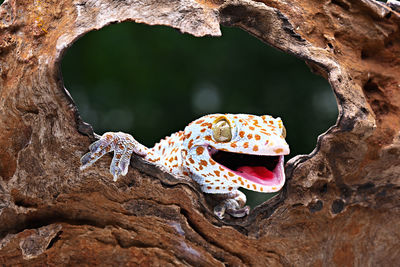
x=123 y=165
x=86 y=160
x=239 y=213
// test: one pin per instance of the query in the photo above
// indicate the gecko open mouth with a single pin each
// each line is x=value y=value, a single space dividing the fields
x=260 y=169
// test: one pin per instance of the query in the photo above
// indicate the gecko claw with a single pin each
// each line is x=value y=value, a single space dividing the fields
x=239 y=213
x=231 y=207
x=123 y=146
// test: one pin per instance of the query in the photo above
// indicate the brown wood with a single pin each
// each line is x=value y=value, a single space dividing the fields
x=340 y=206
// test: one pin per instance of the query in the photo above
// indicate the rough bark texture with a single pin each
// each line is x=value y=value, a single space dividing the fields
x=340 y=206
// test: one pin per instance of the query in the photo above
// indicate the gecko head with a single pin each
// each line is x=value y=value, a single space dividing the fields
x=242 y=150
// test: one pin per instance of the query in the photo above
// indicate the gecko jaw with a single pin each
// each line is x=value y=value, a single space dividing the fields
x=265 y=170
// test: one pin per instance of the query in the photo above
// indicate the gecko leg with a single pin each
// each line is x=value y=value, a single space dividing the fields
x=123 y=146
x=233 y=205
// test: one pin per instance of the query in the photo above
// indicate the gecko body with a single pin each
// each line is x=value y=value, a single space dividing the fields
x=221 y=152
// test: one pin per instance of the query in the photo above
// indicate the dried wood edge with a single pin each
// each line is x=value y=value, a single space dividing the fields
x=283 y=37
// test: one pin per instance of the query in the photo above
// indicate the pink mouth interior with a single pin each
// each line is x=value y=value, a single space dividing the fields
x=261 y=175
x=256 y=171
x=260 y=169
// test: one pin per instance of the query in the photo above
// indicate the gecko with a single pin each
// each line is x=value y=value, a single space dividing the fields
x=221 y=152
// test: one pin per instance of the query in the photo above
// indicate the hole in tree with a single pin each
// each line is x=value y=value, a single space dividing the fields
x=151 y=81
x=341 y=3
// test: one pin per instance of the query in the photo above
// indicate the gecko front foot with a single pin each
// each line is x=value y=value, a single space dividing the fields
x=123 y=146
x=233 y=205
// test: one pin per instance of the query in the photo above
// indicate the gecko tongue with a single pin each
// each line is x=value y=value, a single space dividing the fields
x=256 y=171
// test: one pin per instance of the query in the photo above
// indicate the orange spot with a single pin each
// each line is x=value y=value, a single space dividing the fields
x=273 y=188
x=217 y=173
x=209 y=187
x=203 y=162
x=190 y=144
x=171 y=159
x=257 y=137
x=118 y=156
x=201 y=167
x=230 y=188
x=203 y=130
x=261 y=189
x=249 y=136
x=207 y=181
x=231 y=174
x=255 y=187
x=217 y=180
x=271 y=122
x=252 y=128
x=188 y=135
x=207 y=124
x=199 y=150
x=121 y=146
x=208 y=137
x=248 y=186
x=217 y=188
x=278 y=150
x=241 y=134
x=199 y=121
x=233 y=145
x=246 y=145
x=176 y=158
x=222 y=169
x=234 y=181
x=242 y=183
x=255 y=148
x=212 y=162
x=191 y=160
x=186 y=173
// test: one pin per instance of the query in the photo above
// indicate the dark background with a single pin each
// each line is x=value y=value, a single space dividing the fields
x=151 y=81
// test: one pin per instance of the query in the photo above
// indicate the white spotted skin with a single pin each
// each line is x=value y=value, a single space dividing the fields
x=257 y=135
x=167 y=154
x=186 y=152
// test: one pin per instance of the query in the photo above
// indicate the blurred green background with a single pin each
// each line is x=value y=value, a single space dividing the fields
x=151 y=81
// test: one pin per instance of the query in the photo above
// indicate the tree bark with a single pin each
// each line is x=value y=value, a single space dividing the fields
x=339 y=207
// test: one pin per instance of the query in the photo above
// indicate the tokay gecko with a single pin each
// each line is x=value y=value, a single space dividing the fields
x=221 y=152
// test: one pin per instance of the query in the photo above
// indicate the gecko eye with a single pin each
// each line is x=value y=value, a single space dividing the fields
x=222 y=131
x=283 y=131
